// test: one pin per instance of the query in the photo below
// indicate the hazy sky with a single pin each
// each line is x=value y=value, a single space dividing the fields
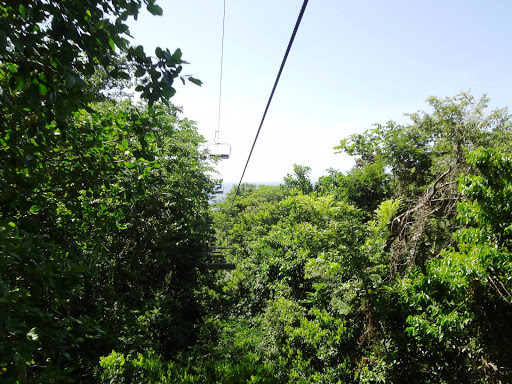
x=354 y=63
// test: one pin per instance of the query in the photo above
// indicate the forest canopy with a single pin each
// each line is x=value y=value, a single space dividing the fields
x=397 y=271
x=104 y=201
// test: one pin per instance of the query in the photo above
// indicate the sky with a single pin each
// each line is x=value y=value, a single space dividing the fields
x=354 y=63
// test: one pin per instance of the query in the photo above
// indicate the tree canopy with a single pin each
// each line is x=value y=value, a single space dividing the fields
x=104 y=202
x=398 y=270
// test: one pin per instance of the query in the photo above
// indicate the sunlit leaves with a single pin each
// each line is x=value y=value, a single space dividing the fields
x=307 y=261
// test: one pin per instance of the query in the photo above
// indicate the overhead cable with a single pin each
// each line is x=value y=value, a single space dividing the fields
x=290 y=43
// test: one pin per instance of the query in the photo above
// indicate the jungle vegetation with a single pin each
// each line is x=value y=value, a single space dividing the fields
x=397 y=271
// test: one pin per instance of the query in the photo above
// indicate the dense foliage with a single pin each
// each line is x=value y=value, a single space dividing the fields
x=398 y=271
x=104 y=202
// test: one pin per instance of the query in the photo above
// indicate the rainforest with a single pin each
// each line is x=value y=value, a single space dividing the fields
x=397 y=271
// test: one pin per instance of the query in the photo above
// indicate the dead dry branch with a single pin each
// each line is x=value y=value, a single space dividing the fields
x=410 y=229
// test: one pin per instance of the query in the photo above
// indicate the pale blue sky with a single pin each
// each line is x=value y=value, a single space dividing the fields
x=353 y=63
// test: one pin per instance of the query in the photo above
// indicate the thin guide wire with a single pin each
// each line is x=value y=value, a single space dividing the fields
x=217 y=133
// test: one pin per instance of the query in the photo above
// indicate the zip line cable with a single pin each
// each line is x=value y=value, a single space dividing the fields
x=290 y=43
x=217 y=133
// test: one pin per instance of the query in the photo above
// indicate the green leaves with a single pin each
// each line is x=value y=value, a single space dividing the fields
x=168 y=93
x=112 y=44
x=121 y=191
x=154 y=9
x=138 y=51
x=22 y=11
x=83 y=185
x=195 y=81
x=139 y=72
x=299 y=180
x=415 y=285
x=176 y=56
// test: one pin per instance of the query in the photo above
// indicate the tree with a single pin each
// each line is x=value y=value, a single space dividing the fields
x=50 y=49
x=299 y=179
x=363 y=280
x=364 y=187
x=103 y=206
x=419 y=164
x=110 y=244
x=250 y=198
x=460 y=309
